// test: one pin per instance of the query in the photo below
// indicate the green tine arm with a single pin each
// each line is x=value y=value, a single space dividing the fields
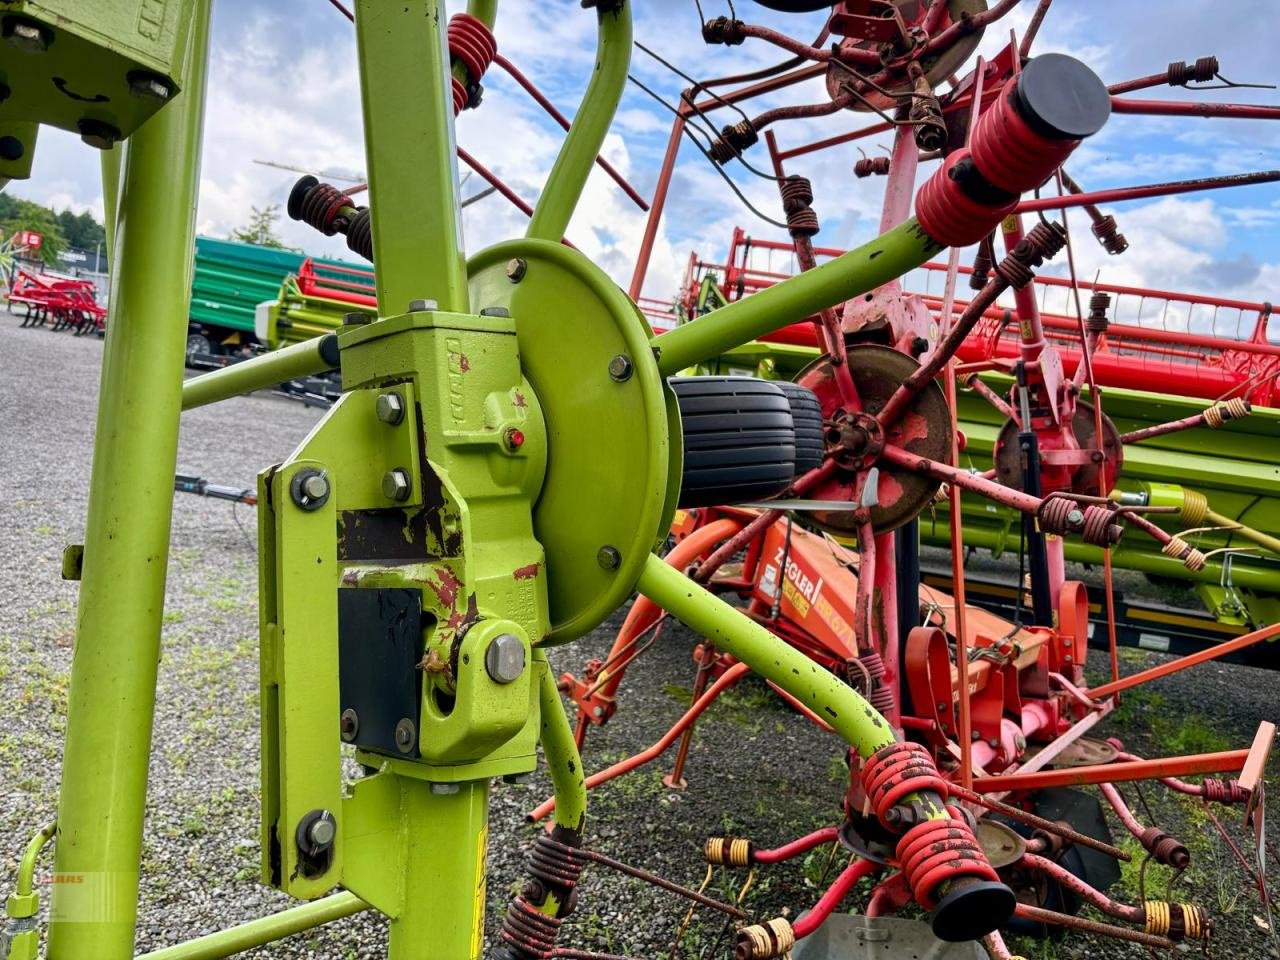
x=586 y=136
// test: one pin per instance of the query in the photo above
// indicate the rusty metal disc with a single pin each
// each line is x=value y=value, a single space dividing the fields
x=1008 y=456
x=1000 y=843
x=937 y=68
x=925 y=430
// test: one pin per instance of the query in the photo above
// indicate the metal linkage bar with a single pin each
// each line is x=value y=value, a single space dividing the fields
x=1148 y=190
x=300 y=360
x=1175 y=666
x=1228 y=761
x=264 y=930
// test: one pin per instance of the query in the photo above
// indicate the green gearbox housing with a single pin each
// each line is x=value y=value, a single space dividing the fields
x=99 y=69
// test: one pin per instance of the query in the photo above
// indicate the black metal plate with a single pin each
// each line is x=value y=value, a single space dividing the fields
x=379 y=648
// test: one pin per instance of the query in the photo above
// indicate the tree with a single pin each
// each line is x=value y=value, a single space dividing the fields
x=18 y=214
x=81 y=230
x=261 y=228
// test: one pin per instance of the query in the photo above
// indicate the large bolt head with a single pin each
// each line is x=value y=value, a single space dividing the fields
x=608 y=557
x=349 y=725
x=516 y=269
x=322 y=832
x=390 y=408
x=620 y=368
x=309 y=489
x=150 y=86
x=396 y=485
x=504 y=659
x=423 y=306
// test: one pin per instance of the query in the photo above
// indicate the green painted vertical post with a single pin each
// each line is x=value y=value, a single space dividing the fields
x=409 y=145
x=113 y=670
x=578 y=153
x=564 y=762
x=446 y=837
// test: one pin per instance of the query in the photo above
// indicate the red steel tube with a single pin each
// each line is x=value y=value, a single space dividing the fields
x=660 y=191
x=726 y=680
x=1182 y=663
x=1160 y=429
x=1122 y=809
x=1007 y=496
x=1096 y=897
x=831 y=899
x=1227 y=761
x=796 y=847
x=1147 y=190
x=1177 y=108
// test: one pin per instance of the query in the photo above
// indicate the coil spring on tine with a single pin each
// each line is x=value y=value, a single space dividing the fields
x=1177 y=921
x=1097 y=321
x=1099 y=529
x=1164 y=848
x=1193 y=559
x=473 y=43
x=761 y=941
x=727 y=851
x=723 y=30
x=554 y=864
x=1202 y=71
x=528 y=932
x=360 y=234
x=1045 y=240
x=733 y=139
x=1223 y=791
x=321 y=205
x=1054 y=515
x=871 y=167
x=1109 y=235
x=1233 y=409
x=1195 y=507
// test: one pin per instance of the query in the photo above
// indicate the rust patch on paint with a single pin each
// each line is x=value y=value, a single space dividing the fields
x=527 y=572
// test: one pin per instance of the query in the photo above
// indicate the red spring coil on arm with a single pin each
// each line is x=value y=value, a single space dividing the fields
x=934 y=852
x=472 y=42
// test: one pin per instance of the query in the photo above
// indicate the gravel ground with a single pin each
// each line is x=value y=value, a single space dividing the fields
x=756 y=769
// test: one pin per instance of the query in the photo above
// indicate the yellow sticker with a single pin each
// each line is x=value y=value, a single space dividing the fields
x=477 y=910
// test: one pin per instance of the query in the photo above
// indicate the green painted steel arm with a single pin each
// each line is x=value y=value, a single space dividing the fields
x=820 y=690
x=255 y=933
x=885 y=258
x=564 y=763
x=300 y=360
x=568 y=177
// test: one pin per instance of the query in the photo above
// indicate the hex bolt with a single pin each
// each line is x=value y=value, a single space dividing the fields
x=101 y=136
x=309 y=489
x=504 y=658
x=517 y=267
x=423 y=306
x=150 y=86
x=350 y=725
x=355 y=319
x=444 y=789
x=390 y=408
x=28 y=37
x=406 y=733
x=608 y=557
x=1075 y=517
x=621 y=368
x=495 y=312
x=396 y=485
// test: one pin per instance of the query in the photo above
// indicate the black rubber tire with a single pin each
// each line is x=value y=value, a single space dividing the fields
x=806 y=415
x=739 y=440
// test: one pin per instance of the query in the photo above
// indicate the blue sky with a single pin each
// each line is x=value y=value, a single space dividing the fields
x=284 y=88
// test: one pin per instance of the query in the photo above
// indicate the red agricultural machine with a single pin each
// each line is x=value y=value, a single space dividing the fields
x=60 y=303
x=999 y=708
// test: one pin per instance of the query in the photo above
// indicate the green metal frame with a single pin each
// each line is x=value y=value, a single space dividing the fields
x=497 y=551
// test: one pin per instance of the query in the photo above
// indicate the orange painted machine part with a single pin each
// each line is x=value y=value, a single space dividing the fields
x=595 y=695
